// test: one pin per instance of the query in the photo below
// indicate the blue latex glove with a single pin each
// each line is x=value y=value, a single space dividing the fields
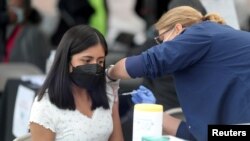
x=143 y=95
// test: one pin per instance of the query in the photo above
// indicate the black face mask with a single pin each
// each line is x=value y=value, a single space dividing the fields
x=87 y=76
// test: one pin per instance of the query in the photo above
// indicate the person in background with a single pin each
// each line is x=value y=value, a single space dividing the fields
x=6 y=17
x=210 y=64
x=71 y=13
x=193 y=3
x=76 y=102
x=25 y=42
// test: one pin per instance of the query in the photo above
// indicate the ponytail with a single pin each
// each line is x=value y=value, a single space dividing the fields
x=214 y=17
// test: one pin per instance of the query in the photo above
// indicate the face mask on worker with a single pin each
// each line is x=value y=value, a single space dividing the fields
x=87 y=76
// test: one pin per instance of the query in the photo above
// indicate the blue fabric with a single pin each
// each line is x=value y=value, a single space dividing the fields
x=136 y=63
x=184 y=133
x=211 y=67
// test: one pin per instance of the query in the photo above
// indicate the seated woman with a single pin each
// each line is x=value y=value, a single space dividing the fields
x=76 y=102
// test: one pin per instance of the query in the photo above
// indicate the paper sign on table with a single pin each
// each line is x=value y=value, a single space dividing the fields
x=24 y=100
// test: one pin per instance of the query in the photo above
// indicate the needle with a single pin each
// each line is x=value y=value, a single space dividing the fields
x=127 y=93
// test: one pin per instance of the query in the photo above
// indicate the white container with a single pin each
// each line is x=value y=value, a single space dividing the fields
x=147 y=120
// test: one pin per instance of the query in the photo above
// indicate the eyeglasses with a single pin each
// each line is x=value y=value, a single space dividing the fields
x=159 y=39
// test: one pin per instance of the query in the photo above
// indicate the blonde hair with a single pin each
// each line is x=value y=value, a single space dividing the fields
x=186 y=16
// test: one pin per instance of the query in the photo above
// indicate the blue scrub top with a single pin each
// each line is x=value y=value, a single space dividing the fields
x=211 y=67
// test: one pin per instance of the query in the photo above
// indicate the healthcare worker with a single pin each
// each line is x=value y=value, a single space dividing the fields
x=210 y=62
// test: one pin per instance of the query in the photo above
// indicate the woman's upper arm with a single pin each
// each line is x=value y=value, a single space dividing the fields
x=40 y=133
x=117 y=134
x=42 y=122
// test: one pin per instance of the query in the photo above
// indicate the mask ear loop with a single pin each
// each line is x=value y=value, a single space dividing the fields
x=71 y=69
x=169 y=35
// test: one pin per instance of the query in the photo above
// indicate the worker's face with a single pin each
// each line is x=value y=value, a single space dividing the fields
x=169 y=34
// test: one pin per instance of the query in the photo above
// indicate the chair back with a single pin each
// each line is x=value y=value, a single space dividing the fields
x=16 y=70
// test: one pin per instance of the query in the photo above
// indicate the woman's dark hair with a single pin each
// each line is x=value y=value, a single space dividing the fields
x=58 y=82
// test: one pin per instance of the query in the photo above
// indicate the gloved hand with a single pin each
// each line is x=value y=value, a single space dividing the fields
x=143 y=95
